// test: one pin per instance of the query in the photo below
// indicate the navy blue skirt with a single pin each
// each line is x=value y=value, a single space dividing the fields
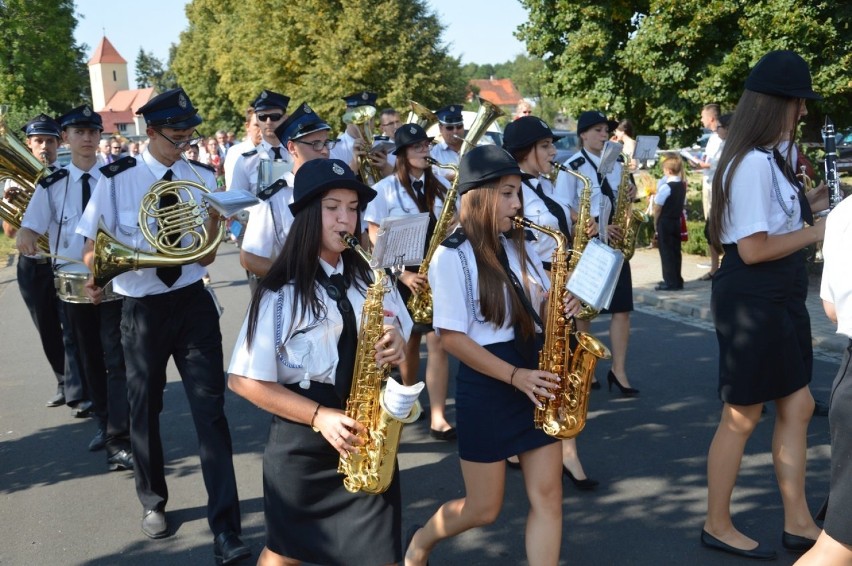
x=494 y=420
x=622 y=298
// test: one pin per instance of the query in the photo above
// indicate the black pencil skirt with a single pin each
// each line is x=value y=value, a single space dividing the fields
x=622 y=298
x=309 y=514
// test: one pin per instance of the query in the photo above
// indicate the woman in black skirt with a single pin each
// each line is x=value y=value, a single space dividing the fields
x=758 y=300
x=834 y=545
x=286 y=362
x=487 y=291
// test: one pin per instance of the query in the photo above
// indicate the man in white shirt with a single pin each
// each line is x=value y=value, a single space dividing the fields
x=710 y=120
x=451 y=127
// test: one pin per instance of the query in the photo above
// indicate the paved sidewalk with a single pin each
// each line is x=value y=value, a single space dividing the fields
x=694 y=299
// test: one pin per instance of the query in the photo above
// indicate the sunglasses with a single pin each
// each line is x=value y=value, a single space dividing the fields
x=319 y=144
x=454 y=127
x=267 y=117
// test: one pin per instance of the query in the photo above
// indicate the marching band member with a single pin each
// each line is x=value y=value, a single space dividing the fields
x=451 y=128
x=758 y=301
x=167 y=313
x=487 y=286
x=294 y=358
x=270 y=110
x=301 y=133
x=530 y=141
x=593 y=129
x=56 y=207
x=252 y=139
x=412 y=189
x=35 y=281
x=350 y=146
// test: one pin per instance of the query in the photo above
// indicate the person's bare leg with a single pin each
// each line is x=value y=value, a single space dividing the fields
x=827 y=551
x=619 y=336
x=437 y=378
x=543 y=482
x=410 y=369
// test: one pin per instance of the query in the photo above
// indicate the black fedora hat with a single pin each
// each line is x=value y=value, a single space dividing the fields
x=782 y=73
x=485 y=163
x=408 y=134
x=526 y=131
x=317 y=176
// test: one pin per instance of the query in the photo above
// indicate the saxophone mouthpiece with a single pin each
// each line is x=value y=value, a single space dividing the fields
x=521 y=222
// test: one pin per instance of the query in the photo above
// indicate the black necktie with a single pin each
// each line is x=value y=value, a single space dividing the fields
x=421 y=194
x=347 y=345
x=168 y=275
x=807 y=214
x=553 y=207
x=525 y=347
x=276 y=151
x=87 y=189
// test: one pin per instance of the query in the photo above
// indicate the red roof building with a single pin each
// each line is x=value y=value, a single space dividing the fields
x=501 y=92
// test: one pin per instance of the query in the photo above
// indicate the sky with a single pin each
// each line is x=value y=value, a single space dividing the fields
x=477 y=31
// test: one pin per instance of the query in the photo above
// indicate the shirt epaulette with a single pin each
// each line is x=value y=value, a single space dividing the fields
x=250 y=153
x=270 y=191
x=45 y=182
x=576 y=163
x=204 y=165
x=114 y=169
x=455 y=239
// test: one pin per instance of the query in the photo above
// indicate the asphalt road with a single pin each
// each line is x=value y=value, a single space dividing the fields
x=59 y=505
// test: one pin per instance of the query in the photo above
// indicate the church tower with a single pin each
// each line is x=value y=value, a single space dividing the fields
x=107 y=74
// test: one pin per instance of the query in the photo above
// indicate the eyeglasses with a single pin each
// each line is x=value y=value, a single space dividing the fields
x=424 y=145
x=267 y=117
x=453 y=126
x=319 y=144
x=397 y=124
x=182 y=144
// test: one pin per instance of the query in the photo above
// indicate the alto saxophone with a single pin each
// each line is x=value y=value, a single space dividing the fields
x=581 y=239
x=626 y=217
x=565 y=415
x=371 y=466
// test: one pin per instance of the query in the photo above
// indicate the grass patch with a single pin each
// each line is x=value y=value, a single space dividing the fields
x=7 y=246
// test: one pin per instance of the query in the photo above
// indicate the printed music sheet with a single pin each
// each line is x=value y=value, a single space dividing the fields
x=593 y=280
x=610 y=153
x=646 y=148
x=228 y=203
x=400 y=241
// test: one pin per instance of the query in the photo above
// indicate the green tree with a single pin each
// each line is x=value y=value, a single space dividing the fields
x=150 y=71
x=658 y=61
x=39 y=59
x=322 y=51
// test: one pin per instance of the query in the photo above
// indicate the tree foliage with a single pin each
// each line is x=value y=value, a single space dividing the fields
x=151 y=73
x=39 y=59
x=659 y=61
x=316 y=51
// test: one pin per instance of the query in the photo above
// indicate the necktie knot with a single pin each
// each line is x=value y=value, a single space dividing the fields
x=417 y=185
x=169 y=175
x=276 y=151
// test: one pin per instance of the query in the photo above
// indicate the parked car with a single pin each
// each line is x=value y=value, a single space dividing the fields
x=844 y=144
x=567 y=146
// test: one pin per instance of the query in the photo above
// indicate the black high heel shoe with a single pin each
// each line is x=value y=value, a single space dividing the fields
x=585 y=484
x=625 y=391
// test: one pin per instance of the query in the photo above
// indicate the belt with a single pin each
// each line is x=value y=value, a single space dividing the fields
x=36 y=260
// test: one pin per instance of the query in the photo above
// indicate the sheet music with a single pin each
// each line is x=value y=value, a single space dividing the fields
x=228 y=203
x=611 y=151
x=594 y=279
x=400 y=241
x=646 y=148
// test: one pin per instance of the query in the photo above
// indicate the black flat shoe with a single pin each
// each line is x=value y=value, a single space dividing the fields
x=449 y=434
x=229 y=549
x=759 y=553
x=596 y=384
x=667 y=287
x=625 y=391
x=585 y=484
x=795 y=543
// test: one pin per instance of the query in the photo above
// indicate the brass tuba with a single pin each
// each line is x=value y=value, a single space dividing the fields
x=420 y=302
x=360 y=117
x=370 y=468
x=564 y=416
x=175 y=222
x=23 y=170
x=625 y=216
x=420 y=115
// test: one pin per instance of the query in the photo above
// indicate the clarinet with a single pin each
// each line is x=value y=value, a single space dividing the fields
x=831 y=180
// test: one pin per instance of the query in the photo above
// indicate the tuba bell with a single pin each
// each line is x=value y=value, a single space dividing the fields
x=421 y=116
x=180 y=238
x=360 y=117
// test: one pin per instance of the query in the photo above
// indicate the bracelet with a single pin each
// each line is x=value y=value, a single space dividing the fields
x=511 y=377
x=313 y=418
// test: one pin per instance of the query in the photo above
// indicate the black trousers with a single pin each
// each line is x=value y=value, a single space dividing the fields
x=97 y=331
x=35 y=281
x=668 y=241
x=182 y=324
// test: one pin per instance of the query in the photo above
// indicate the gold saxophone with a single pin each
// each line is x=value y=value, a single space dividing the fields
x=626 y=217
x=370 y=468
x=581 y=239
x=564 y=416
x=420 y=302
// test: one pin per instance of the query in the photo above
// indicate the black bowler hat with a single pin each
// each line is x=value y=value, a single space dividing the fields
x=41 y=125
x=81 y=117
x=485 y=163
x=363 y=98
x=592 y=118
x=526 y=131
x=172 y=109
x=301 y=122
x=268 y=99
x=450 y=115
x=408 y=134
x=314 y=178
x=782 y=73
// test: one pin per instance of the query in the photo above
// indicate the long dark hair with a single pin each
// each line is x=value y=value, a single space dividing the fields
x=434 y=188
x=298 y=263
x=761 y=120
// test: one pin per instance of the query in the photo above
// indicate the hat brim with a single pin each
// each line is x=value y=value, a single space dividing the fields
x=42 y=132
x=801 y=93
x=610 y=124
x=365 y=193
x=511 y=148
x=84 y=125
x=500 y=173
x=186 y=124
x=399 y=148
